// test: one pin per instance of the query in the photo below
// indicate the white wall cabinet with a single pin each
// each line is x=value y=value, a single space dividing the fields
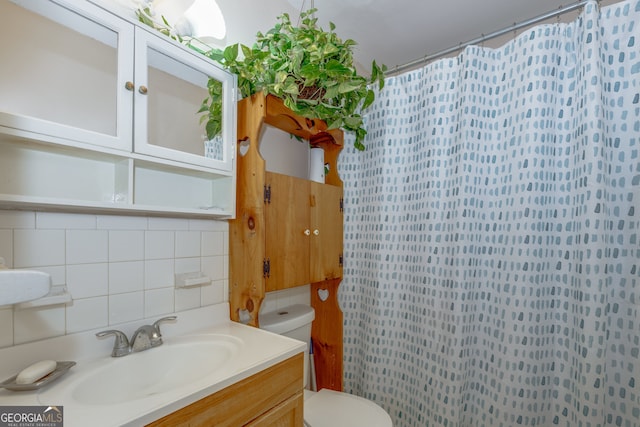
x=100 y=112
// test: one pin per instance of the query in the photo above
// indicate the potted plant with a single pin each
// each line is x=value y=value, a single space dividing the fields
x=310 y=69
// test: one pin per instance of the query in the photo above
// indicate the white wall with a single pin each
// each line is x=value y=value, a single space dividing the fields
x=117 y=268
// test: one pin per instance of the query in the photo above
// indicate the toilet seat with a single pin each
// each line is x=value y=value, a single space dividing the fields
x=329 y=408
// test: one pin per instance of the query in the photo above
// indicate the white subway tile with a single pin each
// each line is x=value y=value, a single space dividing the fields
x=88 y=280
x=126 y=277
x=158 y=302
x=57 y=220
x=213 y=267
x=6 y=247
x=187 y=298
x=34 y=324
x=6 y=327
x=168 y=224
x=159 y=273
x=116 y=222
x=187 y=244
x=17 y=219
x=187 y=265
x=35 y=248
x=207 y=225
x=213 y=293
x=118 y=268
x=88 y=313
x=212 y=243
x=125 y=307
x=159 y=244
x=126 y=245
x=87 y=246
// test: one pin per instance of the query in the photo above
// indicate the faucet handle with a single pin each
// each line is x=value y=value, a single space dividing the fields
x=120 y=346
x=157 y=323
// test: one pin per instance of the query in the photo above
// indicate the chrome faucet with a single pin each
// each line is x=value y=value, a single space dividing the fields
x=144 y=338
x=120 y=346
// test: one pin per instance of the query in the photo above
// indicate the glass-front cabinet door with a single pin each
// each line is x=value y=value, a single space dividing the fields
x=64 y=71
x=182 y=103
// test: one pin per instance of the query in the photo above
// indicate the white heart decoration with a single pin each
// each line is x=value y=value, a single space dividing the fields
x=323 y=294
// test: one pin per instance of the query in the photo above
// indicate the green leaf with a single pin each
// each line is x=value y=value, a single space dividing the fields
x=336 y=68
x=368 y=100
x=291 y=87
x=353 y=121
x=349 y=86
x=231 y=52
x=213 y=128
x=204 y=107
x=246 y=51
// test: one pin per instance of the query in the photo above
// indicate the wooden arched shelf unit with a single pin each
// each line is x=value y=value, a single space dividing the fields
x=266 y=244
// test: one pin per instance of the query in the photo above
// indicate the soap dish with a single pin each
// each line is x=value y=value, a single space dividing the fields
x=61 y=369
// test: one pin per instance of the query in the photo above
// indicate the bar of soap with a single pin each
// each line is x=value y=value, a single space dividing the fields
x=33 y=373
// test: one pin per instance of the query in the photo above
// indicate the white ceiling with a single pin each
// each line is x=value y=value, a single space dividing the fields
x=395 y=32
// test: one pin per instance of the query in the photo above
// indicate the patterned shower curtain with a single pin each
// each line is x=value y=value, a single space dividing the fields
x=492 y=250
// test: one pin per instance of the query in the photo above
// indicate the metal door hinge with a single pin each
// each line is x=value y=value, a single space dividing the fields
x=266 y=268
x=267 y=193
x=341 y=204
x=340 y=260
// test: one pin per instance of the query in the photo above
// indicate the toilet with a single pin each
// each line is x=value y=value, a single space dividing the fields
x=325 y=408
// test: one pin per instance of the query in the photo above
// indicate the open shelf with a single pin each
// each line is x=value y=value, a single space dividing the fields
x=41 y=175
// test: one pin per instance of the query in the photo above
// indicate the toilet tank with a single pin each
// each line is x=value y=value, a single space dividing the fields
x=294 y=322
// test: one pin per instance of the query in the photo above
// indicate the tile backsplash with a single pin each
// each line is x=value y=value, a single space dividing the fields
x=117 y=268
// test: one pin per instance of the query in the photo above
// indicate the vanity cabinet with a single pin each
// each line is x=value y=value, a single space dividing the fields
x=288 y=231
x=100 y=112
x=273 y=397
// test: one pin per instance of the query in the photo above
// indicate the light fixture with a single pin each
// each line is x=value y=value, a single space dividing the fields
x=206 y=19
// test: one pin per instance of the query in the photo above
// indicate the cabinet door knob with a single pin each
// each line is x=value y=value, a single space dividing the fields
x=128 y=85
x=307 y=232
x=142 y=90
x=316 y=232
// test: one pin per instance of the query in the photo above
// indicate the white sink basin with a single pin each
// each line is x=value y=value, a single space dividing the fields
x=180 y=362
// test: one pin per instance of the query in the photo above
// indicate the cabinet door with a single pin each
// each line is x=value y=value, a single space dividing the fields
x=287 y=414
x=326 y=232
x=63 y=74
x=171 y=84
x=287 y=231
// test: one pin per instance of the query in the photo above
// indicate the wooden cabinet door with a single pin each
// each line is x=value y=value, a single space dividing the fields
x=326 y=232
x=287 y=231
x=272 y=397
x=287 y=414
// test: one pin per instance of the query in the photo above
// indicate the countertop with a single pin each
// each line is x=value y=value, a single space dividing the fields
x=258 y=350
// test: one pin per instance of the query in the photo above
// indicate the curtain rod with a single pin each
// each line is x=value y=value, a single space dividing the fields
x=516 y=26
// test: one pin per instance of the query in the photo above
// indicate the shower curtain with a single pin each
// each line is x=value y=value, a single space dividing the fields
x=492 y=254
